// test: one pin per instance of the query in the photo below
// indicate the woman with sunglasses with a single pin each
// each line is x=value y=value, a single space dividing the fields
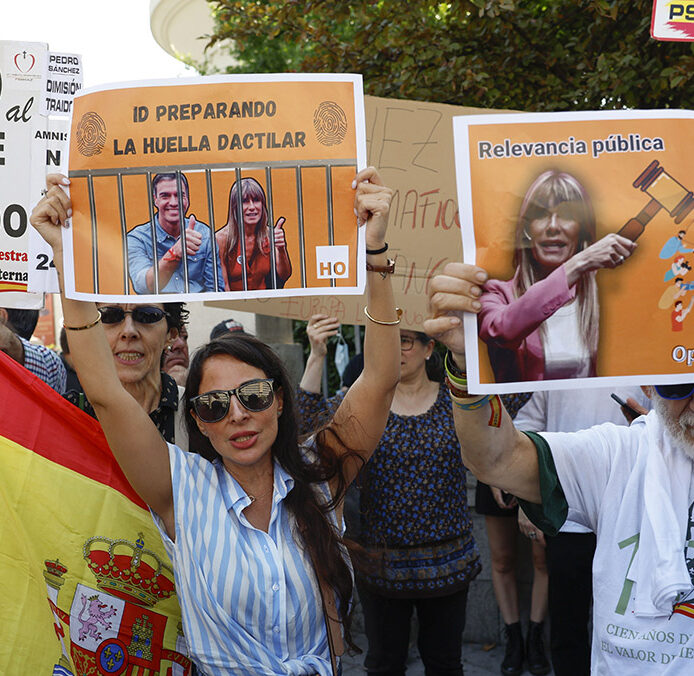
x=414 y=514
x=252 y=531
x=138 y=336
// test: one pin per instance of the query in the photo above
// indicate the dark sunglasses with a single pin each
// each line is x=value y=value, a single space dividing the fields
x=145 y=314
x=673 y=392
x=254 y=395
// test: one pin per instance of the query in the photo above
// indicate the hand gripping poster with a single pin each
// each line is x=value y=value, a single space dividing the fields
x=216 y=187
x=585 y=224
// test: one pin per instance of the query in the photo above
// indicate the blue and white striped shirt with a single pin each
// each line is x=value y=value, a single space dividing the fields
x=250 y=600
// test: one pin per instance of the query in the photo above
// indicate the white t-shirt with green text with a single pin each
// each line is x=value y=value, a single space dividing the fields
x=603 y=472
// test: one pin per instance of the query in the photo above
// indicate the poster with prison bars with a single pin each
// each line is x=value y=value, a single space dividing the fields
x=216 y=187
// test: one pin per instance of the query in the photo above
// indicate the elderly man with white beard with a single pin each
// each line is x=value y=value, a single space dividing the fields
x=631 y=485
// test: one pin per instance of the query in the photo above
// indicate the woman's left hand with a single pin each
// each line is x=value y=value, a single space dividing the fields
x=54 y=209
x=372 y=205
x=529 y=530
x=280 y=241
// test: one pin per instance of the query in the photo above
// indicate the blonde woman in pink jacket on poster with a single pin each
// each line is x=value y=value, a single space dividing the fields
x=543 y=323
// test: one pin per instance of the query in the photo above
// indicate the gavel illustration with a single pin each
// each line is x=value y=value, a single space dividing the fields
x=665 y=193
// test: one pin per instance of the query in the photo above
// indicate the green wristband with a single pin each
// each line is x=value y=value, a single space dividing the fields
x=455 y=375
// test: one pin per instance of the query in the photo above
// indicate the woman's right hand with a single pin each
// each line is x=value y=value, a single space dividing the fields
x=53 y=211
x=319 y=329
x=608 y=252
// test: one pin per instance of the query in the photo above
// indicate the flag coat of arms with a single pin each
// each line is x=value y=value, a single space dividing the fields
x=86 y=588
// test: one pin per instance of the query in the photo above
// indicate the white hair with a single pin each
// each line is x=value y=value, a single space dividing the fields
x=681 y=428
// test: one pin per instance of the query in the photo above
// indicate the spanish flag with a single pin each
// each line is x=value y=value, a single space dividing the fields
x=85 y=585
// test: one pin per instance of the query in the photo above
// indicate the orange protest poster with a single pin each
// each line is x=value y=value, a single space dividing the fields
x=585 y=224
x=216 y=187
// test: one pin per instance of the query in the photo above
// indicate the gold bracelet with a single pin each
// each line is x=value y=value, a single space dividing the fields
x=398 y=311
x=86 y=326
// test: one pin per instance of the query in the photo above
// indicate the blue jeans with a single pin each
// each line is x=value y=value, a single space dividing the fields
x=440 y=636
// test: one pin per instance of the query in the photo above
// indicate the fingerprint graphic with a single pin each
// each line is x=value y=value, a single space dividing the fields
x=330 y=123
x=91 y=134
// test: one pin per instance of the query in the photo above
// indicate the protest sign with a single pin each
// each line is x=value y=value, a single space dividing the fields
x=48 y=155
x=21 y=68
x=567 y=304
x=673 y=20
x=263 y=165
x=86 y=584
x=411 y=144
x=62 y=80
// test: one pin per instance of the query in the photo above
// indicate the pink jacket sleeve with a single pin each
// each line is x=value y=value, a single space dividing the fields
x=506 y=321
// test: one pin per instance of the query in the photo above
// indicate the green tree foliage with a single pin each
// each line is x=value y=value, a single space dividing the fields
x=518 y=54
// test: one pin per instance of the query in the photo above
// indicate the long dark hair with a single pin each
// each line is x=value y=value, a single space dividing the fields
x=319 y=535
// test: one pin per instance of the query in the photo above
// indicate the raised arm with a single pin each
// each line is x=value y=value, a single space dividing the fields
x=319 y=329
x=171 y=260
x=283 y=265
x=221 y=239
x=361 y=418
x=137 y=445
x=500 y=456
x=506 y=320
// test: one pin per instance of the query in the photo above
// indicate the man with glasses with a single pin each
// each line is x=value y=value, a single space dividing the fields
x=170 y=268
x=633 y=486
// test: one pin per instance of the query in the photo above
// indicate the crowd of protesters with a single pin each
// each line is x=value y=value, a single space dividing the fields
x=278 y=470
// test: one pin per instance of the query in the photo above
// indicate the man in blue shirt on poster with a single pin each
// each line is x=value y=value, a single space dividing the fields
x=167 y=225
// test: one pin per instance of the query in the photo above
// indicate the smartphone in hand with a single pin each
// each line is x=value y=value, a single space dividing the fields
x=630 y=413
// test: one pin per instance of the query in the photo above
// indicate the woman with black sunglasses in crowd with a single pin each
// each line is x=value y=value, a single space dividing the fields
x=138 y=335
x=414 y=516
x=247 y=530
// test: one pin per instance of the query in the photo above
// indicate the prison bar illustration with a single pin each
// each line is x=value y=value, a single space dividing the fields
x=148 y=173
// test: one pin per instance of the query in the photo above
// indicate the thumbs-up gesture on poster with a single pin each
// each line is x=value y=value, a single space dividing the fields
x=193 y=240
x=280 y=241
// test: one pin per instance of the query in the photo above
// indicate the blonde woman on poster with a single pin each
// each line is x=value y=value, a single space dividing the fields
x=544 y=322
x=257 y=241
